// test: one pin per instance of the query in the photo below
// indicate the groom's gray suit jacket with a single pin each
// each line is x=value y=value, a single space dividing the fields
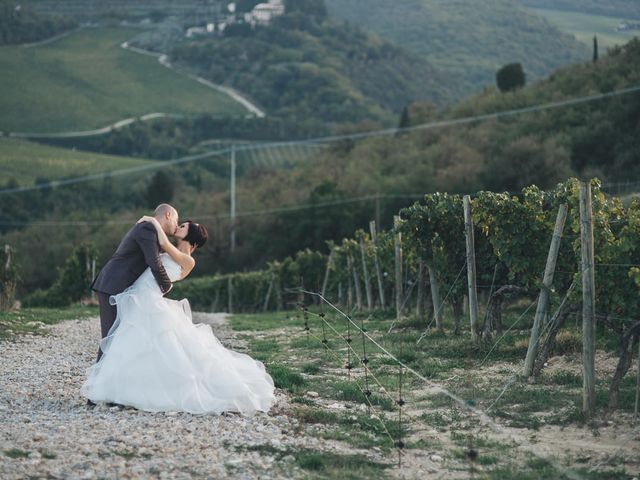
x=138 y=250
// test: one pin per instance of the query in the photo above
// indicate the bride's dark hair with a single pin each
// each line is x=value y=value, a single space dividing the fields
x=197 y=234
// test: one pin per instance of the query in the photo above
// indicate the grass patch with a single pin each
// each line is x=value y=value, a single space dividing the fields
x=317 y=415
x=24 y=161
x=332 y=465
x=285 y=378
x=48 y=455
x=311 y=368
x=263 y=349
x=266 y=321
x=33 y=320
x=350 y=392
x=126 y=454
x=17 y=453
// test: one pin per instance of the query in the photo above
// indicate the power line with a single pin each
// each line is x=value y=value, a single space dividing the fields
x=250 y=213
x=333 y=138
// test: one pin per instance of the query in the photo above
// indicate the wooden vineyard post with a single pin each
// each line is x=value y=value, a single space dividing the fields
x=588 y=301
x=543 y=299
x=325 y=282
x=268 y=295
x=230 y=291
x=471 y=267
x=435 y=296
x=356 y=283
x=367 y=280
x=422 y=283
x=372 y=230
x=397 y=245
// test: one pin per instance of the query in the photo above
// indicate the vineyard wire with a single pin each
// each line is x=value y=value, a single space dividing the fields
x=339 y=360
x=481 y=415
x=507 y=331
x=382 y=387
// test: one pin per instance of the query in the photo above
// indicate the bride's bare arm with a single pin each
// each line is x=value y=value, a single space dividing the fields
x=185 y=261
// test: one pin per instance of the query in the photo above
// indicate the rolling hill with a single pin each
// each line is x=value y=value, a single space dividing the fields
x=86 y=81
x=24 y=162
x=466 y=40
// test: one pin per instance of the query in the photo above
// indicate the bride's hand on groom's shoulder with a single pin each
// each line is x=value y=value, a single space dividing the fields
x=146 y=218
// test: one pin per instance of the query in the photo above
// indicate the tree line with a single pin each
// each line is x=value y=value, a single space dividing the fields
x=21 y=24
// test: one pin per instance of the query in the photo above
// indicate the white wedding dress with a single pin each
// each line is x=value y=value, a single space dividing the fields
x=156 y=359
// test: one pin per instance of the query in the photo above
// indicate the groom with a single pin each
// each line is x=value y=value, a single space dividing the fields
x=138 y=250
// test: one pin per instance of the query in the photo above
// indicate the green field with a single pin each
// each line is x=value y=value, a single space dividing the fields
x=584 y=26
x=86 y=81
x=24 y=161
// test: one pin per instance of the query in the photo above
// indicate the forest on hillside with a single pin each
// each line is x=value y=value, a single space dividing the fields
x=466 y=40
x=599 y=138
x=306 y=67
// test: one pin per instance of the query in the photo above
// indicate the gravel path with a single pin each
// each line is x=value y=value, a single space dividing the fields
x=46 y=431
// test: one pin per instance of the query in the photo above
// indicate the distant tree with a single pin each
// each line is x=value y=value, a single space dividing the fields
x=595 y=48
x=405 y=121
x=314 y=8
x=510 y=77
x=160 y=190
x=244 y=6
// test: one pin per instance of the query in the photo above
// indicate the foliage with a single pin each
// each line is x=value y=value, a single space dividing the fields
x=510 y=77
x=160 y=189
x=307 y=66
x=466 y=40
x=21 y=24
x=72 y=283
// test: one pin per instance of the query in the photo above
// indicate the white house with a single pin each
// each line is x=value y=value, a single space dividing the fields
x=264 y=12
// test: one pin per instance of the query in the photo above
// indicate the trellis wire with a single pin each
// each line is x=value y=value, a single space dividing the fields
x=482 y=416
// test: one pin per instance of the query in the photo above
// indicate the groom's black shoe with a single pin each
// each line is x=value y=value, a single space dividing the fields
x=90 y=404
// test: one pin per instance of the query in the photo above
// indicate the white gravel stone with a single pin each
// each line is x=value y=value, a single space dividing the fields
x=43 y=415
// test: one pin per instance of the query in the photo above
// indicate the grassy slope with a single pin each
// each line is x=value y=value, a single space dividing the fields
x=86 y=81
x=468 y=40
x=584 y=26
x=25 y=161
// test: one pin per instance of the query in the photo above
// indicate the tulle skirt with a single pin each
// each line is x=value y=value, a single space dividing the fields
x=155 y=359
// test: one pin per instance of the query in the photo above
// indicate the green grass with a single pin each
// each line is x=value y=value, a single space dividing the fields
x=285 y=378
x=32 y=320
x=86 y=81
x=584 y=26
x=331 y=465
x=25 y=161
x=16 y=453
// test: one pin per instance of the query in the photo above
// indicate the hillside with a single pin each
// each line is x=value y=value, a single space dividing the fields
x=23 y=163
x=585 y=25
x=624 y=9
x=307 y=67
x=466 y=40
x=86 y=80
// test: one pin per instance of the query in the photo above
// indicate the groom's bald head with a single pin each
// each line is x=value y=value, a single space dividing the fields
x=168 y=217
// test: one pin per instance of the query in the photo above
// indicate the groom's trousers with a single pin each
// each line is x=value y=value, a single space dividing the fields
x=107 y=316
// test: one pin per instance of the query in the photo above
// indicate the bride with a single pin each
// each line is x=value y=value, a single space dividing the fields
x=156 y=359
